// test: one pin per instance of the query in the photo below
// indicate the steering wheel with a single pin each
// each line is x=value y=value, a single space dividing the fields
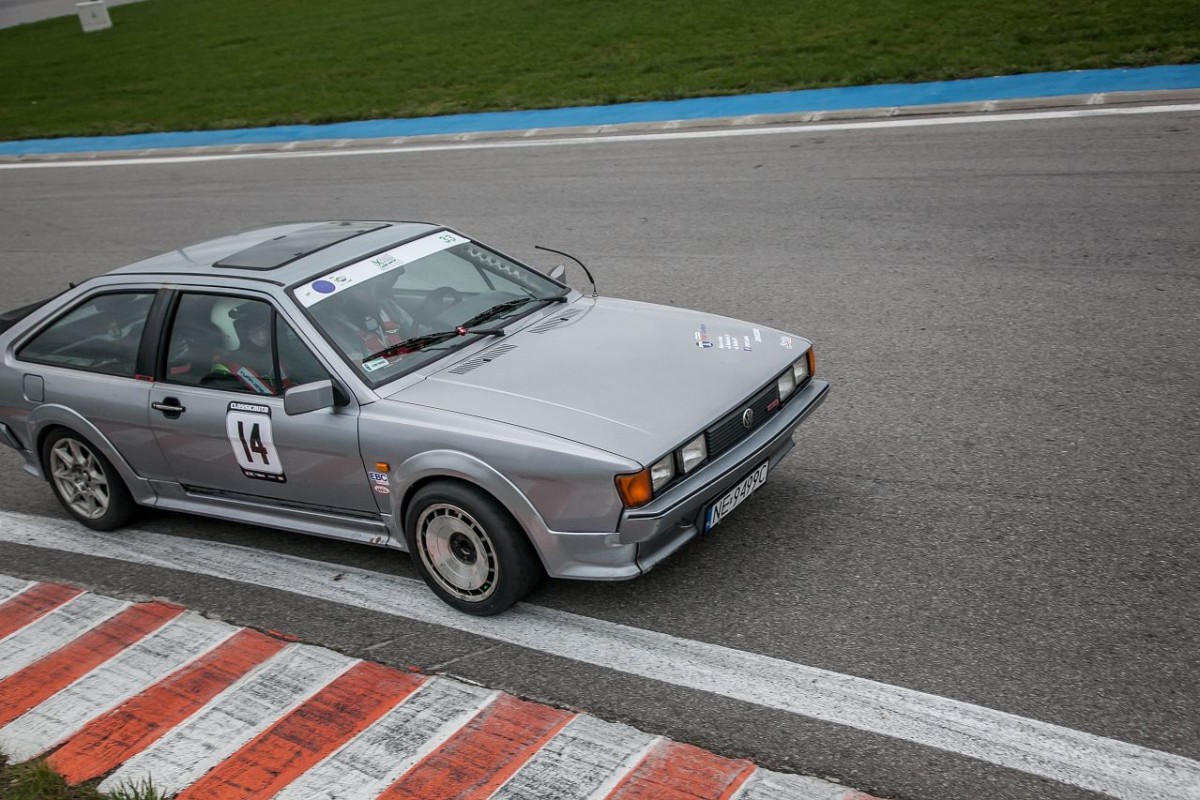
x=436 y=303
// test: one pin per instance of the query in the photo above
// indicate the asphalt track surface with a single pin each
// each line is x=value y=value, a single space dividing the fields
x=996 y=505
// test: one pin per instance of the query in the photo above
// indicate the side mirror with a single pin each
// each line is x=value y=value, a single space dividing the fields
x=309 y=397
x=558 y=273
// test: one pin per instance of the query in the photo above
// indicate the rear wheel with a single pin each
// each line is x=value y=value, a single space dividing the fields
x=469 y=549
x=84 y=481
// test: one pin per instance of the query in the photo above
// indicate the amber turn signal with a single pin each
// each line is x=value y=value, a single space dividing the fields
x=635 y=489
x=812 y=361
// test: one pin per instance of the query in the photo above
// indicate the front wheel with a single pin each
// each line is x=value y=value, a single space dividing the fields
x=469 y=549
x=84 y=481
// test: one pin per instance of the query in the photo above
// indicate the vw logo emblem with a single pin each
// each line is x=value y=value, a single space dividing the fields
x=747 y=418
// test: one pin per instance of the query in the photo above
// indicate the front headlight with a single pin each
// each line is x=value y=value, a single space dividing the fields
x=798 y=374
x=662 y=471
x=638 y=488
x=692 y=453
x=800 y=370
x=787 y=384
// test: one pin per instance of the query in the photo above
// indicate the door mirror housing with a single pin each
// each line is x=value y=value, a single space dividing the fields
x=309 y=397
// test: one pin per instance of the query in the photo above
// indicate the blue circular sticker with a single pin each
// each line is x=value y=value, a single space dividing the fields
x=324 y=287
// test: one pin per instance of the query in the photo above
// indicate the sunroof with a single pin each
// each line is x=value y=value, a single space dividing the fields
x=285 y=249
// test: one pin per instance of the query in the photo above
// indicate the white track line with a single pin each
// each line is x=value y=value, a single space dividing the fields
x=616 y=138
x=1081 y=759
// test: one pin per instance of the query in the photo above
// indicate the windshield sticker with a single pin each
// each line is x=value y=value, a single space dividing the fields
x=702 y=339
x=328 y=285
x=378 y=363
x=248 y=426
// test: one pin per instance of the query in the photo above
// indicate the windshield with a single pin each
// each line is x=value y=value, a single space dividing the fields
x=379 y=313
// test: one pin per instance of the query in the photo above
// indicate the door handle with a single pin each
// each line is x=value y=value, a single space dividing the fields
x=169 y=406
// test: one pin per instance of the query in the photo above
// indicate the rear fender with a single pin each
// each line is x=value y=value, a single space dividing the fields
x=45 y=417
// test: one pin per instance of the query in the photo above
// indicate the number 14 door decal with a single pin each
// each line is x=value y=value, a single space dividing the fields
x=248 y=426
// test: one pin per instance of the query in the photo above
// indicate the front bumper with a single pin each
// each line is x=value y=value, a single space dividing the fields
x=647 y=535
x=667 y=523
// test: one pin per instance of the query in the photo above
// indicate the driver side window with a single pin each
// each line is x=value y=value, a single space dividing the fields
x=236 y=344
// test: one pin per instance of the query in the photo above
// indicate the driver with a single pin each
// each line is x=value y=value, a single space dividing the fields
x=251 y=363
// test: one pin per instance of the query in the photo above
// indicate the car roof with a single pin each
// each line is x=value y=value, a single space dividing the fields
x=283 y=254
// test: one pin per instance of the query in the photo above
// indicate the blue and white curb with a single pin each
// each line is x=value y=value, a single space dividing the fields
x=974 y=94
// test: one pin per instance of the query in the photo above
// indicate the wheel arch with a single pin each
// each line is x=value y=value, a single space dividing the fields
x=47 y=418
x=435 y=465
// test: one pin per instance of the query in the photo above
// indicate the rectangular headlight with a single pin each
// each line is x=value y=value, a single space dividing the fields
x=662 y=471
x=787 y=384
x=800 y=370
x=692 y=453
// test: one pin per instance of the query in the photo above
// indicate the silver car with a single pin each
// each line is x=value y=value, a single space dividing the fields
x=402 y=385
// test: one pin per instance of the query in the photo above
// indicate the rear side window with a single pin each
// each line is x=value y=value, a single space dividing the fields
x=101 y=334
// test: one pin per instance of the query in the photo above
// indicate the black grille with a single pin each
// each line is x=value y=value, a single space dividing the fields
x=729 y=430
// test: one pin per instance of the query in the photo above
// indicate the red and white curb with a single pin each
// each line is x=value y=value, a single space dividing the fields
x=202 y=709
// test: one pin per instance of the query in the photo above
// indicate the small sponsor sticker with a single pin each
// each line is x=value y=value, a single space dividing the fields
x=702 y=339
x=379 y=477
x=746 y=343
x=381 y=489
x=384 y=260
x=786 y=342
x=757 y=335
x=253 y=408
x=378 y=363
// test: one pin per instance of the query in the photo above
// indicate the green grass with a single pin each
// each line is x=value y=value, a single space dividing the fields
x=195 y=64
x=34 y=780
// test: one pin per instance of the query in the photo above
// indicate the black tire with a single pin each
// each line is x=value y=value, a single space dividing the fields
x=469 y=549
x=84 y=481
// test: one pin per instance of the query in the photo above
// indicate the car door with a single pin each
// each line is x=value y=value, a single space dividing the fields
x=80 y=370
x=216 y=409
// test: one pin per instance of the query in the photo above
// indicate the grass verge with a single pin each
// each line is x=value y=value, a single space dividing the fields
x=35 y=780
x=171 y=65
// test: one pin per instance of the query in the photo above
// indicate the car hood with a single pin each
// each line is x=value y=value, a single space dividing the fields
x=635 y=379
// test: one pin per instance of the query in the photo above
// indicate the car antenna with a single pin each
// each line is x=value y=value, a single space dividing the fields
x=586 y=271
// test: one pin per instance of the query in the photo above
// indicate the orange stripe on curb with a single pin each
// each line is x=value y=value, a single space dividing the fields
x=36 y=601
x=286 y=750
x=486 y=752
x=674 y=771
x=27 y=688
x=131 y=727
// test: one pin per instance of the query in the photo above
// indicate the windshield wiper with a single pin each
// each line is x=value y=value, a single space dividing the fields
x=426 y=339
x=500 y=308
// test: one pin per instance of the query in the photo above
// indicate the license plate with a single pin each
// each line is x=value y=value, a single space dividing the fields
x=735 y=496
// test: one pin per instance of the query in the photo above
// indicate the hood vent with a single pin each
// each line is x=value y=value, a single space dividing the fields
x=556 y=320
x=486 y=358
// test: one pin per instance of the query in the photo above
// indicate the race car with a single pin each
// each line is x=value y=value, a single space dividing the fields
x=401 y=384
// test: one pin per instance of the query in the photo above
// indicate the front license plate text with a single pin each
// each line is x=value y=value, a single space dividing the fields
x=735 y=496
